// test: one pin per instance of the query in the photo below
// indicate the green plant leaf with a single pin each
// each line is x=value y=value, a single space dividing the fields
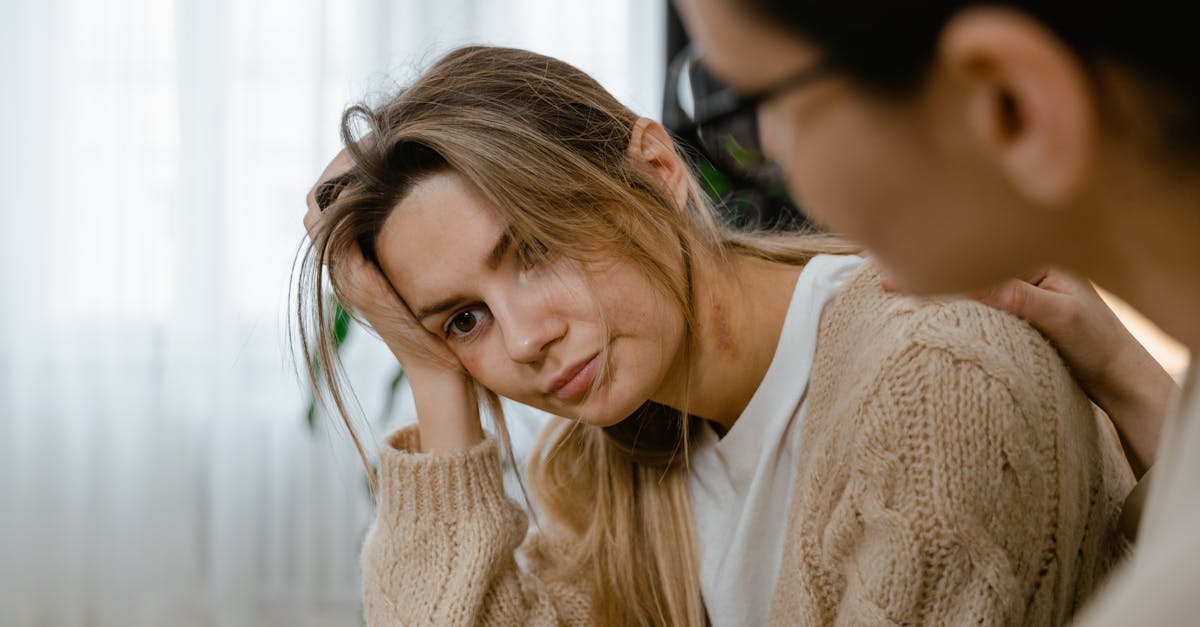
x=341 y=325
x=311 y=415
x=716 y=183
x=741 y=155
x=341 y=328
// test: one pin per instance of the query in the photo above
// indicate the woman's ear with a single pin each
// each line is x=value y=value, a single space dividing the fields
x=1026 y=98
x=650 y=144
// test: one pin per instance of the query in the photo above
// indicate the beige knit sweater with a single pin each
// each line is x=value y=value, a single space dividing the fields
x=951 y=474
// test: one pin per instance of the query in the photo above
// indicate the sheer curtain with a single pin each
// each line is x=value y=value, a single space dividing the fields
x=155 y=465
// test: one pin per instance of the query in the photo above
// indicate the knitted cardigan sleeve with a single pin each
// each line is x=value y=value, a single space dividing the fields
x=950 y=528
x=443 y=549
x=954 y=476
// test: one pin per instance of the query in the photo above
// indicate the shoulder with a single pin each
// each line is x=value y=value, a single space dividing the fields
x=944 y=449
x=870 y=326
x=950 y=361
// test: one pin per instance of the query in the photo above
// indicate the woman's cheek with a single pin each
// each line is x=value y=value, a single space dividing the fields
x=813 y=171
x=472 y=362
x=490 y=371
x=826 y=191
x=775 y=134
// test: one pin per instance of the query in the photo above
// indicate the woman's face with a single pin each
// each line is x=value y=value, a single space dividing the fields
x=528 y=328
x=901 y=178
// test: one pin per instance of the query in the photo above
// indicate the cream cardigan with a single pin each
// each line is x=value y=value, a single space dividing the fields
x=951 y=474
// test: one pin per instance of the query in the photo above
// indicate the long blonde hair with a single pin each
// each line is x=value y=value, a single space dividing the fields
x=546 y=145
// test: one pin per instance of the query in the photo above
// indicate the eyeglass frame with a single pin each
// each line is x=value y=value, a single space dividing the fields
x=737 y=104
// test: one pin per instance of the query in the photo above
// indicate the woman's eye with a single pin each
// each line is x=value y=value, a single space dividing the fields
x=464 y=322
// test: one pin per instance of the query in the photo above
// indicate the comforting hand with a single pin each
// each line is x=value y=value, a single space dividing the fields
x=1115 y=370
x=447 y=412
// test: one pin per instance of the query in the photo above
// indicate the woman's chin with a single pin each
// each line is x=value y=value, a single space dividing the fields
x=603 y=411
x=595 y=416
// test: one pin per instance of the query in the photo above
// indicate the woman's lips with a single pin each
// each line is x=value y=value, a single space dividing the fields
x=580 y=380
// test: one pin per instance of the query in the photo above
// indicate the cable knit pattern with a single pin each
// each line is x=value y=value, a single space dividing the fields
x=951 y=473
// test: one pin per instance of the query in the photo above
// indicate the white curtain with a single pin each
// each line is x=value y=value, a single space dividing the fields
x=155 y=465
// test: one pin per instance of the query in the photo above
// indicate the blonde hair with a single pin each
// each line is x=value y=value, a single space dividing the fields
x=546 y=145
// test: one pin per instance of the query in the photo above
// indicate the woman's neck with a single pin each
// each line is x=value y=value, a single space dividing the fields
x=739 y=317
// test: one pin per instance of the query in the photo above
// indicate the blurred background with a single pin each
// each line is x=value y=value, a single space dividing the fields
x=156 y=467
x=157 y=463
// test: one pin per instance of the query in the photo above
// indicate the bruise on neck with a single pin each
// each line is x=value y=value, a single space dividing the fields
x=718 y=319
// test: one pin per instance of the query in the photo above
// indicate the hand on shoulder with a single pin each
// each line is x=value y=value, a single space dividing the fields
x=1111 y=366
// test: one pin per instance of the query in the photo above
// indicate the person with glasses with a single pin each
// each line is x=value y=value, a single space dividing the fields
x=752 y=431
x=963 y=142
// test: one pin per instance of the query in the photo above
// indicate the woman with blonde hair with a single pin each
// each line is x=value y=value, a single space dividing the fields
x=751 y=430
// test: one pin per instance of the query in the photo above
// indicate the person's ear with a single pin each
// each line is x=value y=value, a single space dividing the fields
x=650 y=144
x=1027 y=100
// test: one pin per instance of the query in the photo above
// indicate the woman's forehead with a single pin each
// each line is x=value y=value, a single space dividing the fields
x=443 y=212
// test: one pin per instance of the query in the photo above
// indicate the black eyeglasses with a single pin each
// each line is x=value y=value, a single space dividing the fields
x=727 y=123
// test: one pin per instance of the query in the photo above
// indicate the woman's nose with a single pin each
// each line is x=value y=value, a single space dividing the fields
x=530 y=331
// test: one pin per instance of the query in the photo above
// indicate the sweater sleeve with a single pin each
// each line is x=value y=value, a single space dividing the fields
x=951 y=514
x=444 y=546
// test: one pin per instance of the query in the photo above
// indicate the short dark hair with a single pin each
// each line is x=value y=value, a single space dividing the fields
x=889 y=45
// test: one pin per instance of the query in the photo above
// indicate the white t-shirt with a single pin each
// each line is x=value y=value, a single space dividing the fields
x=1160 y=584
x=741 y=485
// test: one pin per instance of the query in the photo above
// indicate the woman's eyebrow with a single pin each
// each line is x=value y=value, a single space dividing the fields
x=499 y=249
x=441 y=306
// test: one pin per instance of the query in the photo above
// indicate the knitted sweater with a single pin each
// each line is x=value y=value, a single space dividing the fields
x=951 y=473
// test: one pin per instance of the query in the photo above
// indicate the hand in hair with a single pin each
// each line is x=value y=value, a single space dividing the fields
x=447 y=410
x=1110 y=364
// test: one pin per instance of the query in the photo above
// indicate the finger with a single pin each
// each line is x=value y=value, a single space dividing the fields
x=310 y=222
x=339 y=165
x=351 y=272
x=1064 y=283
x=1041 y=308
x=366 y=287
x=1037 y=276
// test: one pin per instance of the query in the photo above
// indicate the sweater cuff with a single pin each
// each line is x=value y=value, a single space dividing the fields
x=414 y=485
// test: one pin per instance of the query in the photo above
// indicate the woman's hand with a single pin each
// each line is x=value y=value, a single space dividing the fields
x=1111 y=366
x=447 y=410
